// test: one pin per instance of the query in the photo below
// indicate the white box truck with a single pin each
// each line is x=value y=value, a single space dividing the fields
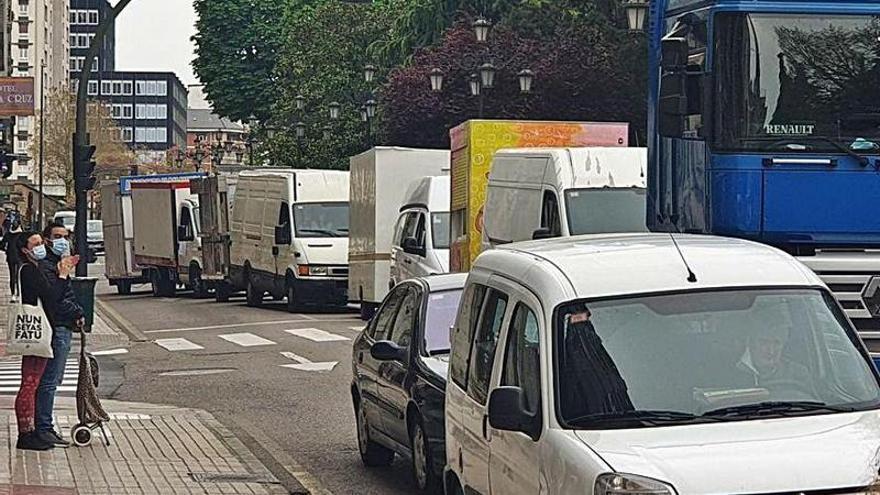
x=379 y=180
x=166 y=236
x=289 y=236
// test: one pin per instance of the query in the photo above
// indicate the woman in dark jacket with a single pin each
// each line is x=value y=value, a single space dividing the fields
x=34 y=287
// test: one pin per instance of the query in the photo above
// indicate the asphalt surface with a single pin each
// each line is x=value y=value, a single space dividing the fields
x=301 y=420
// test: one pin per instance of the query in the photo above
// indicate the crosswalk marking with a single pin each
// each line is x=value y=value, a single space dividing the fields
x=316 y=335
x=175 y=345
x=246 y=339
x=10 y=376
x=356 y=329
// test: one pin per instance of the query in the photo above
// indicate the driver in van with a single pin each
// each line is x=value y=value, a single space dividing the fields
x=764 y=365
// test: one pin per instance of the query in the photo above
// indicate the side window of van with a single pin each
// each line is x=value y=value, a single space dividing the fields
x=469 y=313
x=409 y=226
x=485 y=344
x=186 y=222
x=420 y=230
x=550 y=214
x=522 y=357
x=398 y=231
x=284 y=214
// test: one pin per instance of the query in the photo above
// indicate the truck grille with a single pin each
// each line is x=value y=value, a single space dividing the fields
x=859 y=294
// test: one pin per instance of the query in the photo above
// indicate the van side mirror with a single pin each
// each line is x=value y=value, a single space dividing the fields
x=411 y=246
x=385 y=350
x=542 y=233
x=507 y=412
x=282 y=235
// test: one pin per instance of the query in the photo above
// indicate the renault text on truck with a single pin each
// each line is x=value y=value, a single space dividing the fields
x=289 y=236
x=560 y=192
x=764 y=123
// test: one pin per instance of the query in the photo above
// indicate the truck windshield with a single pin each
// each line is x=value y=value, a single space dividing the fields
x=797 y=82
x=600 y=211
x=321 y=219
x=708 y=356
x=440 y=230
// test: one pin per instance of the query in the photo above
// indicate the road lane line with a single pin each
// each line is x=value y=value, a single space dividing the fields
x=246 y=339
x=110 y=352
x=244 y=325
x=316 y=335
x=175 y=345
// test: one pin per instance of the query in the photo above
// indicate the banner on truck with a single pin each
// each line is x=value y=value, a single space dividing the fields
x=125 y=182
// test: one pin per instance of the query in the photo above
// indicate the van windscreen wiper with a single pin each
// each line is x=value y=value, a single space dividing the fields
x=780 y=408
x=799 y=140
x=643 y=415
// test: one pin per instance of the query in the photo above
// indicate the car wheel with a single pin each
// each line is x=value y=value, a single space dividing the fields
x=372 y=454
x=422 y=463
x=254 y=297
x=199 y=288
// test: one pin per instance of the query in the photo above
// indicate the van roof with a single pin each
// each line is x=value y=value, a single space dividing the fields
x=620 y=264
x=431 y=192
x=449 y=281
x=590 y=167
x=286 y=172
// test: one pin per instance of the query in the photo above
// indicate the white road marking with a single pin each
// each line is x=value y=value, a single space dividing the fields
x=10 y=376
x=357 y=329
x=195 y=372
x=110 y=352
x=316 y=335
x=309 y=320
x=175 y=345
x=246 y=339
x=304 y=364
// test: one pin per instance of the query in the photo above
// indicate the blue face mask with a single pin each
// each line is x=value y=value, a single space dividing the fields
x=39 y=252
x=61 y=247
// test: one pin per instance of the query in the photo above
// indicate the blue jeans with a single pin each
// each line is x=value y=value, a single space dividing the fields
x=52 y=377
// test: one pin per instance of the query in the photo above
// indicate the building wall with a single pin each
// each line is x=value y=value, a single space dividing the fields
x=85 y=16
x=40 y=50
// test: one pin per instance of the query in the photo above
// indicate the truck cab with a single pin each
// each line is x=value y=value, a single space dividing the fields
x=560 y=192
x=420 y=246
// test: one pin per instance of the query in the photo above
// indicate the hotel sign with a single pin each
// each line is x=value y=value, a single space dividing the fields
x=16 y=96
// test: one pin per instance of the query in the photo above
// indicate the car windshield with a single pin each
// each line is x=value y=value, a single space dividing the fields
x=95 y=226
x=321 y=219
x=440 y=230
x=798 y=82
x=599 y=211
x=722 y=355
x=439 y=317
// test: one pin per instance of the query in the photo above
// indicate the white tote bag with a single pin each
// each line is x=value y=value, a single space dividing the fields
x=28 y=330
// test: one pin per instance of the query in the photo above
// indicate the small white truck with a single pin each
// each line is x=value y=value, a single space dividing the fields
x=167 y=244
x=379 y=181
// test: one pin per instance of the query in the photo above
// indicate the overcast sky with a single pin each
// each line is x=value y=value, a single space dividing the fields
x=154 y=35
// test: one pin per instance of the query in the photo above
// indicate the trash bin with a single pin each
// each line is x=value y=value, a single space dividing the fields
x=84 y=290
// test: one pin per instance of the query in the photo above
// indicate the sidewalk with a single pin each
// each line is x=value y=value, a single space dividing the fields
x=154 y=450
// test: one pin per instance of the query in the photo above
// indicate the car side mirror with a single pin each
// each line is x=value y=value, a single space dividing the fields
x=542 y=233
x=507 y=412
x=385 y=350
x=282 y=235
x=411 y=246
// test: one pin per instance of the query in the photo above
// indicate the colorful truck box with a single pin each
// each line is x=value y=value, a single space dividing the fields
x=475 y=142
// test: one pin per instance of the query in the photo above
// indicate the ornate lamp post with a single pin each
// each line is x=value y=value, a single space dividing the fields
x=636 y=14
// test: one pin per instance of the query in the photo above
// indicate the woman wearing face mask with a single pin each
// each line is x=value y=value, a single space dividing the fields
x=32 y=251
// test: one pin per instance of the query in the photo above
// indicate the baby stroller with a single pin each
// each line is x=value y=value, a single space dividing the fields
x=88 y=406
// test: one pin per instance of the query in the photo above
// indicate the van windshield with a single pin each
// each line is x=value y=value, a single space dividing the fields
x=321 y=219
x=606 y=211
x=440 y=230
x=708 y=356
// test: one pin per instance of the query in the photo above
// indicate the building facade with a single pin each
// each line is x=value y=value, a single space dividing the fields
x=215 y=139
x=40 y=31
x=85 y=16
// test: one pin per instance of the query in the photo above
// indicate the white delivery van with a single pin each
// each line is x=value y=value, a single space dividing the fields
x=653 y=363
x=289 y=236
x=558 y=192
x=379 y=180
x=420 y=246
x=167 y=244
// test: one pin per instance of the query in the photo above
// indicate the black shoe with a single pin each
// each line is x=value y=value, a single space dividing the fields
x=33 y=441
x=54 y=438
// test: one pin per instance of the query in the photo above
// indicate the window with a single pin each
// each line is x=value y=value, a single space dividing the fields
x=117 y=88
x=161 y=111
x=93 y=17
x=72 y=18
x=94 y=64
x=92 y=88
x=522 y=357
x=401 y=333
x=23 y=53
x=186 y=222
x=151 y=134
x=440 y=313
x=161 y=88
x=127 y=88
x=141 y=88
x=409 y=226
x=82 y=17
x=151 y=88
x=140 y=111
x=73 y=42
x=125 y=134
x=23 y=28
x=151 y=111
x=23 y=8
x=440 y=230
x=384 y=319
x=161 y=135
x=462 y=333
x=550 y=214
x=126 y=111
x=420 y=231
x=485 y=344
x=106 y=88
x=398 y=231
x=117 y=111
x=140 y=135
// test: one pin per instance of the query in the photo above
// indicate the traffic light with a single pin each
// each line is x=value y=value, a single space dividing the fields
x=5 y=164
x=84 y=167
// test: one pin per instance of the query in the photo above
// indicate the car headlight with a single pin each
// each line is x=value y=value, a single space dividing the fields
x=318 y=271
x=630 y=484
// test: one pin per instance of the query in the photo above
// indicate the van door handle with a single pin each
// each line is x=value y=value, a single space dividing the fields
x=486 y=426
x=275 y=251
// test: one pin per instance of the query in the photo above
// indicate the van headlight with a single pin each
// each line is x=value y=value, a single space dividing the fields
x=630 y=484
x=318 y=271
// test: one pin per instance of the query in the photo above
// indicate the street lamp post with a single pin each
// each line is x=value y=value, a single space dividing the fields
x=636 y=13
x=40 y=212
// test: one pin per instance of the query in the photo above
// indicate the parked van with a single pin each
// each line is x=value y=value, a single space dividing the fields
x=558 y=192
x=289 y=235
x=420 y=246
x=636 y=363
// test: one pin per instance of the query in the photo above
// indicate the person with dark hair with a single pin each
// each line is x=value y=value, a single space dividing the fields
x=65 y=316
x=34 y=288
x=11 y=232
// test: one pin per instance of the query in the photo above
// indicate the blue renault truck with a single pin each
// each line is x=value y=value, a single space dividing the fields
x=764 y=124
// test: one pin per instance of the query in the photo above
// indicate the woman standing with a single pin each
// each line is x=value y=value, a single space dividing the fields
x=33 y=287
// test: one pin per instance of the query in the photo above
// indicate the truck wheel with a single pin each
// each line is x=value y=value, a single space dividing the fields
x=163 y=285
x=155 y=284
x=222 y=292
x=123 y=287
x=254 y=296
x=199 y=287
x=292 y=305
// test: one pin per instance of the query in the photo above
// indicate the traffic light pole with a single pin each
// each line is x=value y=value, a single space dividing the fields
x=80 y=138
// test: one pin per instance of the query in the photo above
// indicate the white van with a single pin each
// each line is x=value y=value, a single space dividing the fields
x=559 y=192
x=420 y=246
x=647 y=363
x=289 y=234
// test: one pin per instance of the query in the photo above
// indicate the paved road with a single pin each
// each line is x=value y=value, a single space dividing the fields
x=227 y=359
